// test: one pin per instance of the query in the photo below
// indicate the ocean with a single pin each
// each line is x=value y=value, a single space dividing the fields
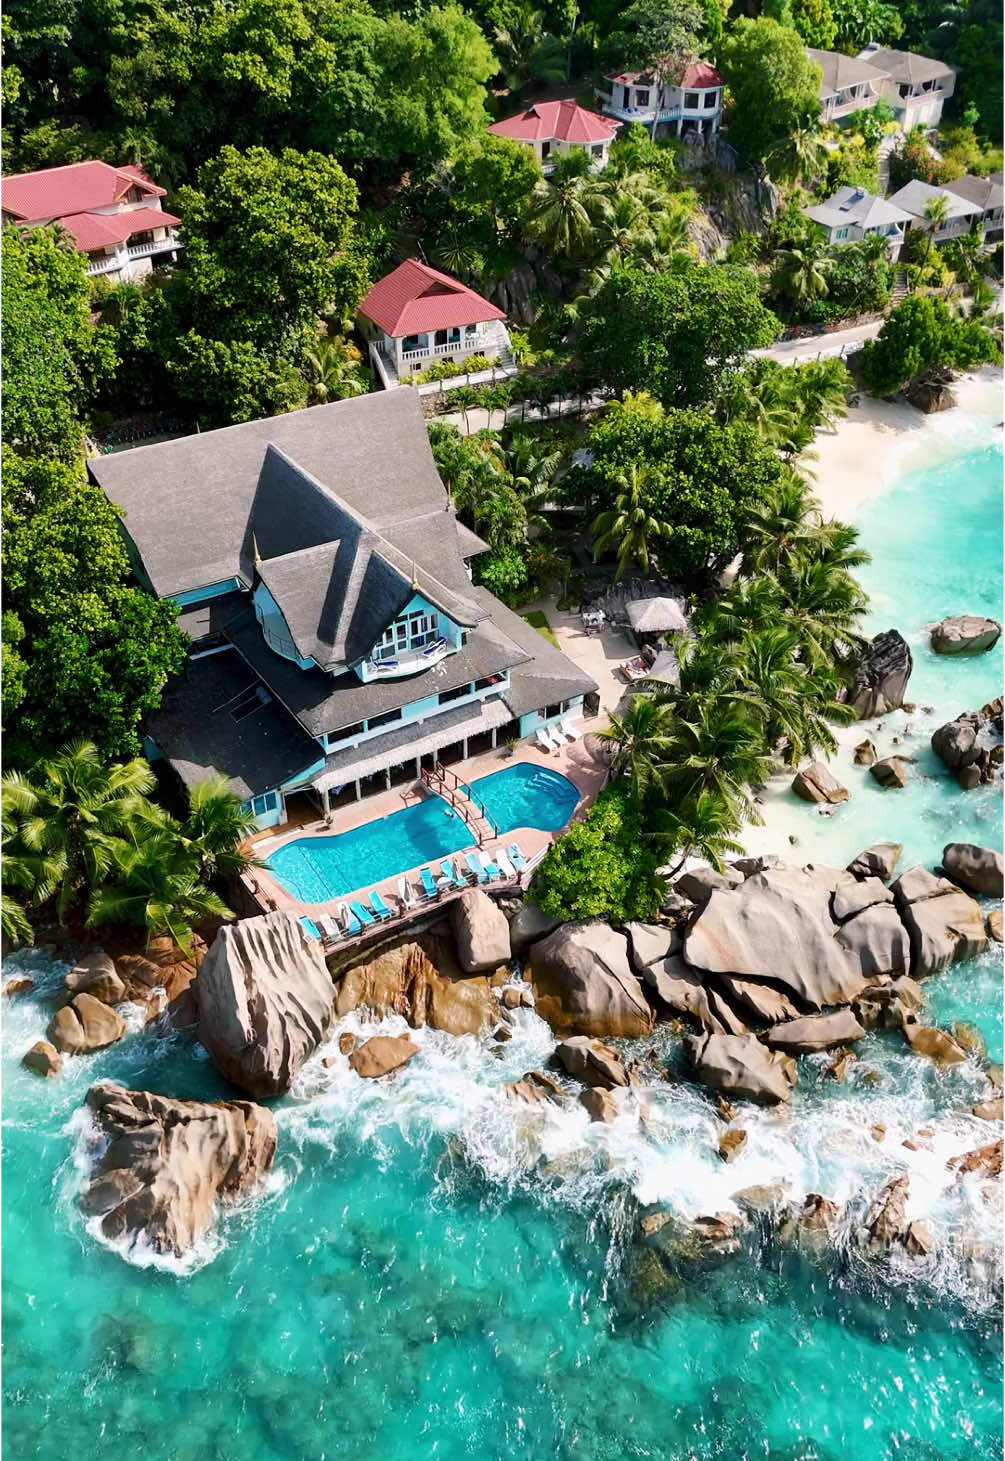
x=432 y=1273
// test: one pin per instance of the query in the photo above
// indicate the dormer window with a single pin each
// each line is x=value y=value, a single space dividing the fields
x=412 y=631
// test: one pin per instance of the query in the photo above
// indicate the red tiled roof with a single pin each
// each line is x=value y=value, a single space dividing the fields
x=76 y=188
x=701 y=73
x=99 y=230
x=563 y=121
x=414 y=298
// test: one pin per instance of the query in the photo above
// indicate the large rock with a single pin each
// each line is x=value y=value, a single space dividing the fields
x=852 y=898
x=882 y=676
x=957 y=743
x=97 y=976
x=480 y=930
x=420 y=979
x=877 y=861
x=381 y=1054
x=169 y=1162
x=965 y=634
x=815 y=783
x=917 y=884
x=698 y=885
x=85 y=1024
x=601 y=1104
x=886 y=1219
x=944 y=925
x=265 y=1001
x=814 y=1033
x=527 y=925
x=979 y=870
x=535 y=1089
x=877 y=940
x=938 y=1045
x=887 y=1003
x=44 y=1059
x=684 y=992
x=739 y=1065
x=890 y=772
x=649 y=943
x=763 y=932
x=591 y=1062
x=583 y=984
x=760 y=1003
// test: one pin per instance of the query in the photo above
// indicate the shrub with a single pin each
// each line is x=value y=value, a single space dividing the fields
x=601 y=867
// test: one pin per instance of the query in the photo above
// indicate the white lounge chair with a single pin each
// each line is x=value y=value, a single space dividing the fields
x=557 y=741
x=503 y=864
x=544 y=740
x=571 y=731
x=405 y=893
x=329 y=927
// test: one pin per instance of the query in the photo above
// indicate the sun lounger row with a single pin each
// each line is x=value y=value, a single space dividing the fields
x=554 y=737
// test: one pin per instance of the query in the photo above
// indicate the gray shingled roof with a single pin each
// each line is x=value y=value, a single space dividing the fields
x=194 y=728
x=855 y=205
x=407 y=742
x=914 y=195
x=987 y=193
x=546 y=675
x=907 y=67
x=841 y=71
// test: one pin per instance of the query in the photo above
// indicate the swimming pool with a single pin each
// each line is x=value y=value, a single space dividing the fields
x=315 y=869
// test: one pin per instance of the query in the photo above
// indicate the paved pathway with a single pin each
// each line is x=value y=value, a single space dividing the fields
x=820 y=347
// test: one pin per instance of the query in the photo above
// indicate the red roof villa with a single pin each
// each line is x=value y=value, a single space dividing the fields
x=690 y=108
x=554 y=128
x=113 y=214
x=416 y=315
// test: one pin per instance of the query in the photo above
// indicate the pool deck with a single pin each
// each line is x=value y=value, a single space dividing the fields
x=582 y=763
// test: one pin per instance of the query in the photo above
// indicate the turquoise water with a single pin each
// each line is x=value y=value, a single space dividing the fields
x=433 y=1274
x=315 y=869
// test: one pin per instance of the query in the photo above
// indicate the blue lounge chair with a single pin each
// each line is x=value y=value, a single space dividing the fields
x=350 y=922
x=311 y=928
x=516 y=857
x=472 y=861
x=365 y=918
x=379 y=906
x=428 y=886
x=449 y=872
x=491 y=869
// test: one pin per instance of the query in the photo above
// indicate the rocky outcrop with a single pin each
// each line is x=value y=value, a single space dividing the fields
x=886 y=1003
x=886 y=1218
x=938 y=1045
x=698 y=885
x=995 y=925
x=169 y=1162
x=44 y=1059
x=480 y=931
x=985 y=1159
x=882 y=676
x=420 y=979
x=762 y=932
x=877 y=941
x=739 y=1065
x=965 y=634
x=944 y=925
x=979 y=870
x=815 y=783
x=85 y=1024
x=957 y=743
x=877 y=861
x=529 y=924
x=929 y=395
x=761 y=1004
x=852 y=898
x=865 y=753
x=583 y=984
x=683 y=992
x=814 y=1033
x=534 y=1089
x=650 y=943
x=602 y=1104
x=381 y=1054
x=265 y=1002
x=890 y=772
x=591 y=1062
x=732 y=1143
x=97 y=976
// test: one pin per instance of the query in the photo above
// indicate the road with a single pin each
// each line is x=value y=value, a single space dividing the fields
x=816 y=347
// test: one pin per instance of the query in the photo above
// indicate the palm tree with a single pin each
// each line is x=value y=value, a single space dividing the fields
x=823 y=387
x=719 y=750
x=797 y=156
x=787 y=525
x=702 y=827
x=335 y=369
x=159 y=888
x=793 y=704
x=534 y=472
x=565 y=209
x=216 y=825
x=823 y=605
x=527 y=52
x=640 y=739
x=69 y=808
x=936 y=211
x=629 y=525
x=32 y=876
x=802 y=273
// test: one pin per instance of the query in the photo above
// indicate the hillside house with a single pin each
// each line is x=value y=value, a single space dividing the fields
x=690 y=108
x=416 y=315
x=916 y=87
x=555 y=128
x=848 y=84
x=852 y=213
x=113 y=215
x=986 y=194
x=961 y=214
x=339 y=645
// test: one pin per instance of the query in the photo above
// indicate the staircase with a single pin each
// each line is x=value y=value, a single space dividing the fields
x=466 y=803
x=887 y=144
x=901 y=287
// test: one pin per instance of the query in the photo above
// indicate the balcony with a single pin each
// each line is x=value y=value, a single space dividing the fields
x=119 y=261
x=492 y=340
x=409 y=661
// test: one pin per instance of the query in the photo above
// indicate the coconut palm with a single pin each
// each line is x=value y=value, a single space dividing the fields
x=527 y=52
x=718 y=749
x=32 y=877
x=702 y=828
x=217 y=823
x=69 y=807
x=794 y=705
x=629 y=526
x=640 y=739
x=823 y=387
x=751 y=604
x=535 y=473
x=824 y=605
x=335 y=370
x=763 y=396
x=785 y=526
x=936 y=211
x=802 y=273
x=797 y=156
x=565 y=209
x=158 y=887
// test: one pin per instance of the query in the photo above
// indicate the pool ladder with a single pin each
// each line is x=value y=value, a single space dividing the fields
x=463 y=799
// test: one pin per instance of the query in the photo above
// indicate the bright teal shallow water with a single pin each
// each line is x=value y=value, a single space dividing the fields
x=432 y=1275
x=315 y=869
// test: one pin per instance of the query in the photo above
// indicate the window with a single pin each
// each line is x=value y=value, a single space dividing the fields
x=445 y=696
x=691 y=100
x=268 y=802
x=710 y=100
x=413 y=631
x=642 y=98
x=380 y=720
x=905 y=91
x=598 y=149
x=440 y=338
x=487 y=681
x=347 y=733
x=552 y=710
x=545 y=150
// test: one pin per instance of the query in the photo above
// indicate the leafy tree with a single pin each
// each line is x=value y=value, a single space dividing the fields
x=922 y=334
x=527 y=52
x=96 y=650
x=657 y=36
x=969 y=34
x=602 y=867
x=814 y=20
x=52 y=355
x=859 y=21
x=478 y=195
x=503 y=571
x=673 y=335
x=230 y=381
x=773 y=83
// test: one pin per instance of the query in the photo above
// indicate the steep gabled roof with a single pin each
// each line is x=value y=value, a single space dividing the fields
x=550 y=121
x=839 y=72
x=414 y=298
x=76 y=188
x=855 y=205
x=905 y=67
x=101 y=230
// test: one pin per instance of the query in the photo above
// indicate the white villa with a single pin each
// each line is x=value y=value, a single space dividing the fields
x=914 y=86
x=987 y=194
x=416 y=315
x=848 y=84
x=690 y=108
x=112 y=214
x=555 y=128
x=961 y=214
x=852 y=213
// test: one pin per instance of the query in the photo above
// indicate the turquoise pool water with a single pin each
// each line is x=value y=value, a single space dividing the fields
x=431 y=1276
x=315 y=869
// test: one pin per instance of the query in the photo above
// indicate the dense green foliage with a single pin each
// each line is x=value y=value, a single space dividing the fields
x=602 y=867
x=921 y=334
x=773 y=83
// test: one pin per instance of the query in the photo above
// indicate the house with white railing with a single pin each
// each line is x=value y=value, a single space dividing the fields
x=688 y=106
x=986 y=194
x=848 y=84
x=916 y=87
x=852 y=213
x=553 y=129
x=114 y=215
x=416 y=316
x=959 y=215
